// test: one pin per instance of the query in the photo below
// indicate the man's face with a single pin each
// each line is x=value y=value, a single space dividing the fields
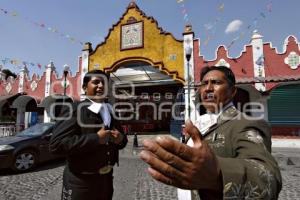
x=215 y=92
x=96 y=89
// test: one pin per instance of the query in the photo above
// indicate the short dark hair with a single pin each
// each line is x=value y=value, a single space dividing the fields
x=229 y=75
x=88 y=76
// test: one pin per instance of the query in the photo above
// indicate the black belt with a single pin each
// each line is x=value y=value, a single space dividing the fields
x=102 y=171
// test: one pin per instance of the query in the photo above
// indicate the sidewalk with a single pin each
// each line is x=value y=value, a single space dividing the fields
x=286 y=142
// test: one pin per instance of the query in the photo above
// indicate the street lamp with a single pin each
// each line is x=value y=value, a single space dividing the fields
x=188 y=55
x=66 y=71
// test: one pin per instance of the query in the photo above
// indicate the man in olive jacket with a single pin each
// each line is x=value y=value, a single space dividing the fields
x=231 y=153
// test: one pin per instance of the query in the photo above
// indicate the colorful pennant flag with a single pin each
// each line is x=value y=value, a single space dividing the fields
x=221 y=7
x=211 y=27
x=43 y=25
x=263 y=15
x=269 y=6
x=184 y=11
x=16 y=62
x=254 y=24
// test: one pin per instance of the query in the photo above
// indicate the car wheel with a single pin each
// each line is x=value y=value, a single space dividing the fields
x=24 y=161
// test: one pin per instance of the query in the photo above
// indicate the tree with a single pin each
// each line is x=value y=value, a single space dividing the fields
x=8 y=73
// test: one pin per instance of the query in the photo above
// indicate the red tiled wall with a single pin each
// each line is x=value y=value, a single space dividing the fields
x=274 y=62
x=285 y=131
x=241 y=66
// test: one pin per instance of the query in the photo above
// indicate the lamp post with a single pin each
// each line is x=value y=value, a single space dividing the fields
x=66 y=71
x=1 y=74
x=188 y=55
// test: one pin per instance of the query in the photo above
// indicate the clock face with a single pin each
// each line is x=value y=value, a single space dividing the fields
x=132 y=35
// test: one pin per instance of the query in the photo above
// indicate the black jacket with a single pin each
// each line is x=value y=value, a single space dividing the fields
x=77 y=138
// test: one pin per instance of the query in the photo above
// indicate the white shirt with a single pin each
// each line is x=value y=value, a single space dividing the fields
x=203 y=123
x=209 y=119
x=104 y=109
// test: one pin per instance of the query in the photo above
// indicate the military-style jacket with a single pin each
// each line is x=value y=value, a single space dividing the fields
x=243 y=149
x=77 y=138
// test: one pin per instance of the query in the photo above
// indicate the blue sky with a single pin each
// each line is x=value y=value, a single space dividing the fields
x=22 y=39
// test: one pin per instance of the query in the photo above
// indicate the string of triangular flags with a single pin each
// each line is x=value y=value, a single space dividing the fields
x=18 y=63
x=184 y=11
x=211 y=27
x=42 y=26
x=253 y=26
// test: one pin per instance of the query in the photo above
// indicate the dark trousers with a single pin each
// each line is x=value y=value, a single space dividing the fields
x=87 y=187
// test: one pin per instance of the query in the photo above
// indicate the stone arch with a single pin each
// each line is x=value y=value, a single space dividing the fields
x=28 y=103
x=157 y=65
x=153 y=85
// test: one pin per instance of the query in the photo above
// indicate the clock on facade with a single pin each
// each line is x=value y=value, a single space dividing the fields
x=132 y=35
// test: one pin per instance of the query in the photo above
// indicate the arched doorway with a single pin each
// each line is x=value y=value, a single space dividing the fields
x=54 y=105
x=143 y=96
x=8 y=114
x=27 y=111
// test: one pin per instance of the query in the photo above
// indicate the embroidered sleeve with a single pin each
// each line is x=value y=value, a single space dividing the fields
x=253 y=173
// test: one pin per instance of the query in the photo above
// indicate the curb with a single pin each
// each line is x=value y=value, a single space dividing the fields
x=285 y=143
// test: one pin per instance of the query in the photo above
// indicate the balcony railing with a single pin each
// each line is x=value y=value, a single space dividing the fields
x=7 y=130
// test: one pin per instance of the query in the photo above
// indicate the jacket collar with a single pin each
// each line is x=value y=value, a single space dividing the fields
x=227 y=115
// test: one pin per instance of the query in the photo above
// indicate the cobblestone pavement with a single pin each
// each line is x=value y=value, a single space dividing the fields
x=131 y=180
x=32 y=185
x=132 y=183
x=289 y=163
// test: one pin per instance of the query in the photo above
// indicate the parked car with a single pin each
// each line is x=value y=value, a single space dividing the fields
x=27 y=148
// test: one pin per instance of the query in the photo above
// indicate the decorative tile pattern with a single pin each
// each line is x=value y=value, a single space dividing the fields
x=33 y=85
x=293 y=60
x=223 y=62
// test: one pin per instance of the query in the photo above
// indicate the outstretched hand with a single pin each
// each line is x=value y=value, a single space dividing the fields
x=177 y=164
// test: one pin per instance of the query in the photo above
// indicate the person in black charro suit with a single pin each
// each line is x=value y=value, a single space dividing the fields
x=90 y=138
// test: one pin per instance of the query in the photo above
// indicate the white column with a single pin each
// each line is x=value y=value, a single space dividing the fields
x=258 y=60
x=188 y=37
x=2 y=75
x=85 y=65
x=49 y=69
x=189 y=92
x=20 y=119
x=27 y=119
x=22 y=79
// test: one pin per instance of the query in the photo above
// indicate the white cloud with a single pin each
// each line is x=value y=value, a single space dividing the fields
x=233 y=26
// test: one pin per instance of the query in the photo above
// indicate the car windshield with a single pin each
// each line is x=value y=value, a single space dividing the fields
x=35 y=130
